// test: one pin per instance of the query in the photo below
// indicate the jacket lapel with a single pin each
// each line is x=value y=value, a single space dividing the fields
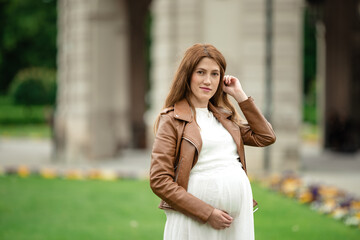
x=182 y=111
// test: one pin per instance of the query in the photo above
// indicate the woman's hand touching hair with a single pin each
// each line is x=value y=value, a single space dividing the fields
x=233 y=87
x=220 y=219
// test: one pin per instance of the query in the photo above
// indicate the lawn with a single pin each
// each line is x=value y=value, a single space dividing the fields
x=36 y=208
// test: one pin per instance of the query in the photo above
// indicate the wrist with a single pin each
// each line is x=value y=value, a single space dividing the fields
x=240 y=96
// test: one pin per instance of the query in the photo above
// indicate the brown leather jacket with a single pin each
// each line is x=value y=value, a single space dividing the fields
x=178 y=144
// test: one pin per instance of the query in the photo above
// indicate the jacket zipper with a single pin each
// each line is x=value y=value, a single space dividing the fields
x=177 y=169
x=191 y=143
x=178 y=165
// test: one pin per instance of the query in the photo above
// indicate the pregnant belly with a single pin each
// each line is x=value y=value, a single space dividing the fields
x=227 y=188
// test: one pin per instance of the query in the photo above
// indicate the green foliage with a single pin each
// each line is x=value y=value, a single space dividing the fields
x=309 y=68
x=309 y=50
x=34 y=86
x=35 y=208
x=11 y=114
x=310 y=106
x=27 y=37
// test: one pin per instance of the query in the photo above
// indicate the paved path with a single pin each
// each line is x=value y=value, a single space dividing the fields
x=334 y=169
x=340 y=170
x=37 y=153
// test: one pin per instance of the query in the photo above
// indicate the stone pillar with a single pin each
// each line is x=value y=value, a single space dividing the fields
x=92 y=107
x=252 y=65
x=165 y=50
x=176 y=26
x=287 y=84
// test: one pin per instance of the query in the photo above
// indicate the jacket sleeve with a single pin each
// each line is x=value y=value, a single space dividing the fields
x=162 y=174
x=258 y=131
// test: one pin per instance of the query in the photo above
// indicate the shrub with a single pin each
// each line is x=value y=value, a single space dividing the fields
x=34 y=86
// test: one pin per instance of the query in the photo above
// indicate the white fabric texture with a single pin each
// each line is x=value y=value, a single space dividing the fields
x=219 y=180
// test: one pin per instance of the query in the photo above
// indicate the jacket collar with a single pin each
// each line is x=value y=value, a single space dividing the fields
x=182 y=111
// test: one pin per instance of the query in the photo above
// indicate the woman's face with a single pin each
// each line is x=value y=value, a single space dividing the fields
x=204 y=82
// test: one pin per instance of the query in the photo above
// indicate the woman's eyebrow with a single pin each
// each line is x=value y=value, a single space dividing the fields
x=203 y=69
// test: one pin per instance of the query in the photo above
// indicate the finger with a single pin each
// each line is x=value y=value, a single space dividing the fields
x=227 y=225
x=229 y=80
x=226 y=216
x=226 y=220
x=224 y=79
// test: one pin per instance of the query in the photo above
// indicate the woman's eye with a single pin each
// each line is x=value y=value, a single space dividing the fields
x=216 y=74
x=200 y=72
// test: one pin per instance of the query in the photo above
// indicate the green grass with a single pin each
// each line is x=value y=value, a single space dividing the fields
x=36 y=208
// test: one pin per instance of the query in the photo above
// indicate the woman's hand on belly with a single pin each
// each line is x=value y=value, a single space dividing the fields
x=220 y=219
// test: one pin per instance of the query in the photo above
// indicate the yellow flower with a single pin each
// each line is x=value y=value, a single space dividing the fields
x=23 y=171
x=329 y=192
x=290 y=186
x=94 y=174
x=73 y=174
x=108 y=175
x=48 y=173
x=356 y=206
x=306 y=197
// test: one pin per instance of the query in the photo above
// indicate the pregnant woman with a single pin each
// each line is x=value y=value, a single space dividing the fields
x=198 y=165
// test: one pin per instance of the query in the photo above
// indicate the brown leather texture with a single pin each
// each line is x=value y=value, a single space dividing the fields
x=178 y=142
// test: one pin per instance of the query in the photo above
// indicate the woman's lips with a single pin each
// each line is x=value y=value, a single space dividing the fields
x=206 y=89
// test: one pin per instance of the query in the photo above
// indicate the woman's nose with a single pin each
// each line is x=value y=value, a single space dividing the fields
x=207 y=79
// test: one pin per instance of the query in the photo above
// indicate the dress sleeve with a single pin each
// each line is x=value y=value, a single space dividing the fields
x=258 y=131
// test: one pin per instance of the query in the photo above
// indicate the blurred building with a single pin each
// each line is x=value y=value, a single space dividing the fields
x=103 y=94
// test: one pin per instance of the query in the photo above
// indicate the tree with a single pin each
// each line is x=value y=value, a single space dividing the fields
x=27 y=37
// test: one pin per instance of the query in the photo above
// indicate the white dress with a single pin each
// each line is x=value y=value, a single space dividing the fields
x=219 y=180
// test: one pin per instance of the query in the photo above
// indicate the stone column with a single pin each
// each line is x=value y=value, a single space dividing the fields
x=92 y=107
x=287 y=96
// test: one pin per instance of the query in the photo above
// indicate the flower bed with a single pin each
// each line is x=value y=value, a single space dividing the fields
x=321 y=198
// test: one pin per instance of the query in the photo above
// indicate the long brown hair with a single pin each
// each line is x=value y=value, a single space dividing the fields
x=180 y=87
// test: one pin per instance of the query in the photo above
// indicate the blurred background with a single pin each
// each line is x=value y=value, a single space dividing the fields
x=91 y=76
x=82 y=81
